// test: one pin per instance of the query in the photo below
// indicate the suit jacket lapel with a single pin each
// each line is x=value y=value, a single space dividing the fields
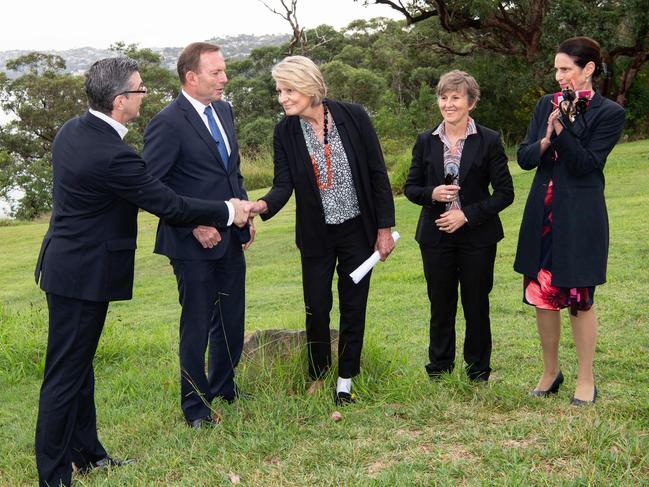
x=302 y=156
x=196 y=122
x=578 y=127
x=340 y=119
x=437 y=149
x=469 y=152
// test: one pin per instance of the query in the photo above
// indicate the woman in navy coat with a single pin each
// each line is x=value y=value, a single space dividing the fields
x=563 y=241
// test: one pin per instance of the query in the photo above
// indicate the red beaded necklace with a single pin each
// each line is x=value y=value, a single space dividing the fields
x=327 y=154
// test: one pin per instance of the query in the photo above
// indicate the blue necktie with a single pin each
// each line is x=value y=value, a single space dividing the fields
x=217 y=136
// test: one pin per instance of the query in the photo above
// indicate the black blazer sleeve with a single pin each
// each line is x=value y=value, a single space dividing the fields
x=416 y=189
x=501 y=182
x=282 y=188
x=580 y=159
x=529 y=152
x=127 y=176
x=242 y=188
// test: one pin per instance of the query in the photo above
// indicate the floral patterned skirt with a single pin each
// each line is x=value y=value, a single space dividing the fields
x=538 y=291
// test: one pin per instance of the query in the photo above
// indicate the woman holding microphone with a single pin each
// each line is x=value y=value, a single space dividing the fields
x=451 y=171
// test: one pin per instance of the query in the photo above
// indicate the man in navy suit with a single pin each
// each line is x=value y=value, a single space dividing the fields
x=192 y=147
x=86 y=259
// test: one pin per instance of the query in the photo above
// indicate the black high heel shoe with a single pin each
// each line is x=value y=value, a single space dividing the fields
x=554 y=387
x=578 y=402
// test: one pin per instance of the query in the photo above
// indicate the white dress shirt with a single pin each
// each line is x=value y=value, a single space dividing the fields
x=200 y=109
x=121 y=129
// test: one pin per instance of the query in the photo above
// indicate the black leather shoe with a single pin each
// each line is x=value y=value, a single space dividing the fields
x=105 y=462
x=436 y=374
x=342 y=398
x=578 y=402
x=206 y=422
x=238 y=395
x=554 y=387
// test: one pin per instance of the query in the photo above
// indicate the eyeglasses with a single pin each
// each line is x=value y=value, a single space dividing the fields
x=142 y=90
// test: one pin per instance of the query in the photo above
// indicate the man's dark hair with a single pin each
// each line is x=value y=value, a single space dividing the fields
x=190 y=58
x=106 y=79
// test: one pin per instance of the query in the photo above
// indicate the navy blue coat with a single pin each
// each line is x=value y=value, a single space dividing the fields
x=483 y=163
x=294 y=171
x=99 y=183
x=181 y=151
x=579 y=216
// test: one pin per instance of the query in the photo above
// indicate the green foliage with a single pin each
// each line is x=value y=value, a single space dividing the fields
x=392 y=119
x=389 y=68
x=257 y=168
x=637 y=115
x=424 y=112
x=258 y=134
x=358 y=85
x=42 y=98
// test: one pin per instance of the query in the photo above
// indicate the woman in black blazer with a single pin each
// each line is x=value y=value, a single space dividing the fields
x=328 y=153
x=452 y=168
x=563 y=242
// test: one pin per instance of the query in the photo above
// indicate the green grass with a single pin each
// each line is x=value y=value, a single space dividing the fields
x=404 y=430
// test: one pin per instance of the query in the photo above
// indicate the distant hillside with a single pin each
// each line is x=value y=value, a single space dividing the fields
x=78 y=60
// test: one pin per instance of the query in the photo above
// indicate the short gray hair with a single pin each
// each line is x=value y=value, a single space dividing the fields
x=457 y=80
x=107 y=78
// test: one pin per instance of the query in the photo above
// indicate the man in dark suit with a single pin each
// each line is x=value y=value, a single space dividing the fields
x=193 y=149
x=86 y=259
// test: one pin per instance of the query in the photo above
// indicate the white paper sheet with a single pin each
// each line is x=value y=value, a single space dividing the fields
x=362 y=270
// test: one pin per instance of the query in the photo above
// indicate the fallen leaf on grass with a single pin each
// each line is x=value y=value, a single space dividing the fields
x=273 y=461
x=336 y=416
x=375 y=468
x=217 y=416
x=524 y=443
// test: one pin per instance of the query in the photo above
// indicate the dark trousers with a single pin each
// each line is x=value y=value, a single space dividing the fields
x=212 y=296
x=445 y=265
x=66 y=428
x=346 y=244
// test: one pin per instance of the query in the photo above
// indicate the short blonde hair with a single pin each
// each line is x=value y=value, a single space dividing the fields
x=457 y=80
x=301 y=74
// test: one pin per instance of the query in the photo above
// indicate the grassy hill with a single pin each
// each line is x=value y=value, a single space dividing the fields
x=404 y=430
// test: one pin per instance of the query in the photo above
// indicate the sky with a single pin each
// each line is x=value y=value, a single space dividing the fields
x=65 y=24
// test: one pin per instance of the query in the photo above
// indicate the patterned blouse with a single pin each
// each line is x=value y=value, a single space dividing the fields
x=453 y=155
x=339 y=200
